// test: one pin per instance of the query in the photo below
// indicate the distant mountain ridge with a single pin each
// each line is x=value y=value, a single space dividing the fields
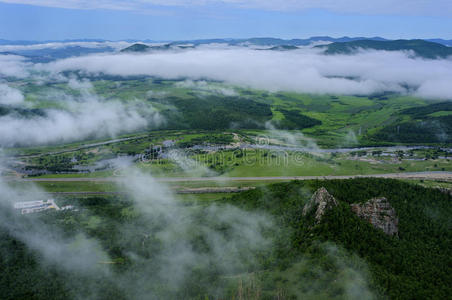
x=49 y=54
x=421 y=48
x=265 y=41
x=431 y=49
x=137 y=47
x=269 y=41
x=26 y=42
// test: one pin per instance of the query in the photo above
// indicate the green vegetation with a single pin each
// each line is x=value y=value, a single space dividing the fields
x=128 y=228
x=414 y=265
x=380 y=119
x=218 y=153
x=284 y=47
x=216 y=113
x=26 y=113
x=295 y=120
x=421 y=48
x=431 y=124
x=432 y=130
x=343 y=257
x=136 y=48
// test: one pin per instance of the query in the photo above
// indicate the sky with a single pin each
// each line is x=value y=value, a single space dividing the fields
x=197 y=19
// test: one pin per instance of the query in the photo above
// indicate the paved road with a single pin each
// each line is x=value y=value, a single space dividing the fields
x=417 y=175
x=208 y=190
x=83 y=146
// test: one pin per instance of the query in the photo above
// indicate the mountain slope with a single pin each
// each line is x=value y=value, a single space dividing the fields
x=412 y=265
x=421 y=48
x=136 y=48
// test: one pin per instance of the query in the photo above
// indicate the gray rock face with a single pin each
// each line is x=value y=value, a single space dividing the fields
x=321 y=201
x=379 y=213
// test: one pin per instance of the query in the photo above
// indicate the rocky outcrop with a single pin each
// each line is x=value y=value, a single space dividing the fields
x=379 y=213
x=321 y=201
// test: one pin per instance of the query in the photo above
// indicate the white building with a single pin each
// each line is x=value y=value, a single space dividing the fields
x=35 y=206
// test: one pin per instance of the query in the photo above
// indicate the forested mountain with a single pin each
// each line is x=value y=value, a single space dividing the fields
x=421 y=48
x=339 y=256
x=416 y=264
x=136 y=48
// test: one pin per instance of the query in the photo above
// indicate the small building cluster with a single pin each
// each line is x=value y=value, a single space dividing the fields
x=29 y=207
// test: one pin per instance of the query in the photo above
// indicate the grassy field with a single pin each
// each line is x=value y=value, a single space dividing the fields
x=253 y=162
x=346 y=121
x=341 y=117
x=268 y=163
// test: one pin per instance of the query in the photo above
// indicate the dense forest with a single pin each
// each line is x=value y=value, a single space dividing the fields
x=213 y=113
x=22 y=112
x=330 y=260
x=294 y=119
x=216 y=113
x=421 y=48
x=424 y=126
x=417 y=265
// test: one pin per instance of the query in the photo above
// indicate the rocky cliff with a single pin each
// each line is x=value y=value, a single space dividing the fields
x=379 y=213
x=321 y=201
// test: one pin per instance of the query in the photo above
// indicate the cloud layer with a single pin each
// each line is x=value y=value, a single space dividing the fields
x=166 y=242
x=171 y=248
x=304 y=70
x=62 y=45
x=9 y=95
x=84 y=116
x=13 y=66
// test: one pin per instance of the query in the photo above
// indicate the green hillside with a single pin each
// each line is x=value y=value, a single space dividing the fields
x=414 y=265
x=428 y=124
x=284 y=47
x=379 y=119
x=421 y=48
x=342 y=257
x=145 y=48
x=136 y=48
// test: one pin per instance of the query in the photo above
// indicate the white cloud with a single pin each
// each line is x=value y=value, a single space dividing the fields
x=439 y=88
x=204 y=88
x=13 y=65
x=230 y=251
x=9 y=95
x=61 y=45
x=79 y=254
x=92 y=119
x=86 y=117
x=404 y=7
x=305 y=70
x=83 y=85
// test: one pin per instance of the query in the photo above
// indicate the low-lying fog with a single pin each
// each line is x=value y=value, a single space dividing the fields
x=170 y=247
x=304 y=70
x=83 y=116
